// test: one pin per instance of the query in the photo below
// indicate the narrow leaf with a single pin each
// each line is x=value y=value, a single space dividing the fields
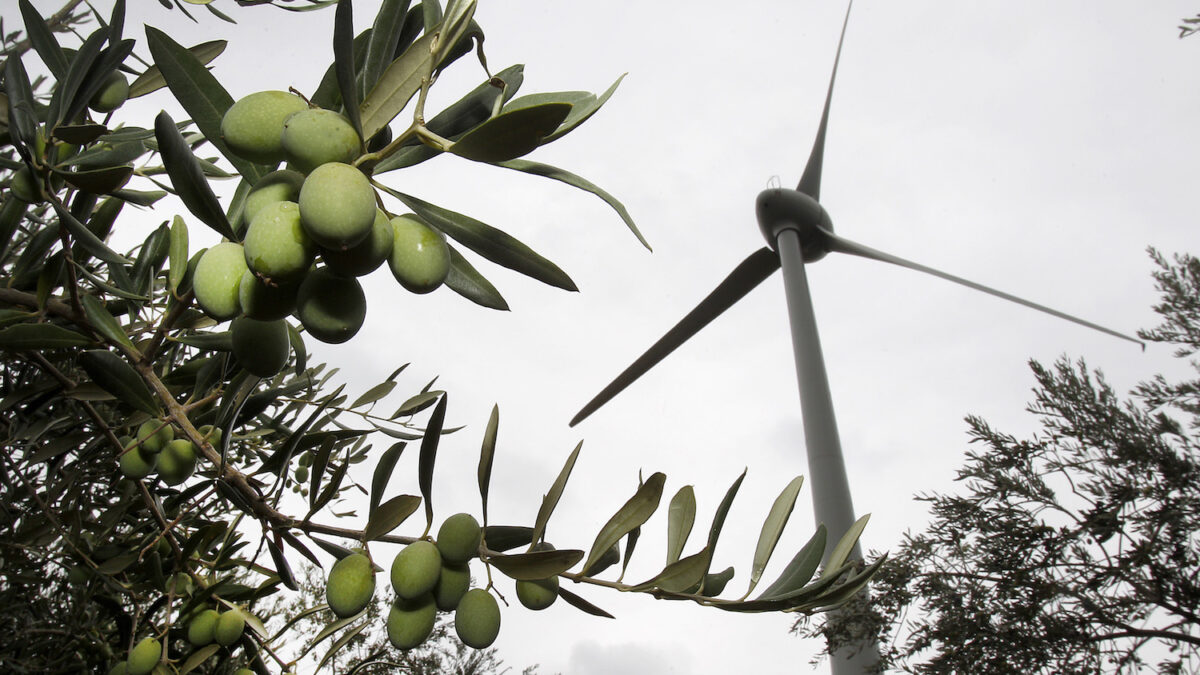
x=581 y=604
x=632 y=514
x=282 y=568
x=103 y=322
x=680 y=575
x=346 y=637
x=550 y=499
x=188 y=179
x=385 y=35
x=845 y=545
x=801 y=568
x=470 y=284
x=486 y=453
x=536 y=565
x=681 y=515
x=429 y=445
x=489 y=242
x=507 y=537
x=397 y=85
x=580 y=182
x=772 y=529
x=343 y=61
x=388 y=515
x=152 y=80
x=114 y=375
x=40 y=337
x=84 y=237
x=43 y=40
x=178 y=256
x=374 y=394
x=511 y=134
x=383 y=472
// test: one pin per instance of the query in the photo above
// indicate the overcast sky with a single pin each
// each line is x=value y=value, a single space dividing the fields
x=1035 y=147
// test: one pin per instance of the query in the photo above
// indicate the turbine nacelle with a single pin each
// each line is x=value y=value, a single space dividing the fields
x=780 y=209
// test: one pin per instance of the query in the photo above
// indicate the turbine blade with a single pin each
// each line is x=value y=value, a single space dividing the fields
x=842 y=245
x=745 y=277
x=810 y=182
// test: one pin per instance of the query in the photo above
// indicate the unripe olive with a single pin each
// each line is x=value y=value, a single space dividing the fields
x=122 y=668
x=538 y=594
x=420 y=258
x=266 y=301
x=458 y=538
x=415 y=569
x=331 y=308
x=229 y=628
x=213 y=434
x=337 y=205
x=261 y=347
x=277 y=248
x=202 y=629
x=112 y=93
x=177 y=461
x=365 y=256
x=26 y=186
x=477 y=619
x=154 y=435
x=351 y=585
x=278 y=186
x=135 y=462
x=410 y=622
x=217 y=278
x=453 y=582
x=144 y=657
x=253 y=126
x=314 y=137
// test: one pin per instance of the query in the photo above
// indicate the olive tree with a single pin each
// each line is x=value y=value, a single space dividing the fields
x=174 y=462
x=1071 y=551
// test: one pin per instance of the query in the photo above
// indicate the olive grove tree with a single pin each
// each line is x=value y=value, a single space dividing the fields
x=1072 y=551
x=172 y=457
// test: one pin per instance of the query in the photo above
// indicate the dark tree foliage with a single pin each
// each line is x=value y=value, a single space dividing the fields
x=1073 y=551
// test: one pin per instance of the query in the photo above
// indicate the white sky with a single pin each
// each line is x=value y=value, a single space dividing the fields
x=1035 y=147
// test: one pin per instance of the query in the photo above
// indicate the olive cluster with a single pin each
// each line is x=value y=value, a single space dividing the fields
x=320 y=209
x=154 y=448
x=427 y=577
x=205 y=627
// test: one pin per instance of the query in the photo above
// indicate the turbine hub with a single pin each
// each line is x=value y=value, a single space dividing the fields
x=780 y=209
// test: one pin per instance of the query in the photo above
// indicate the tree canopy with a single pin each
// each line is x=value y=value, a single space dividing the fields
x=1072 y=551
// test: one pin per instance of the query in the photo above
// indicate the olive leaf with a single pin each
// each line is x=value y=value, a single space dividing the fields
x=580 y=182
x=389 y=515
x=681 y=514
x=470 y=284
x=772 y=529
x=486 y=454
x=489 y=242
x=632 y=514
x=152 y=79
x=343 y=61
x=114 y=375
x=425 y=461
x=536 y=565
x=550 y=499
x=511 y=134
x=43 y=41
x=187 y=178
x=40 y=337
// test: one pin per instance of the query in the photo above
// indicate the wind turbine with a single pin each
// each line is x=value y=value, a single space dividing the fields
x=799 y=232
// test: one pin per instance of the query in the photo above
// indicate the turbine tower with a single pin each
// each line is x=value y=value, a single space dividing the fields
x=799 y=232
